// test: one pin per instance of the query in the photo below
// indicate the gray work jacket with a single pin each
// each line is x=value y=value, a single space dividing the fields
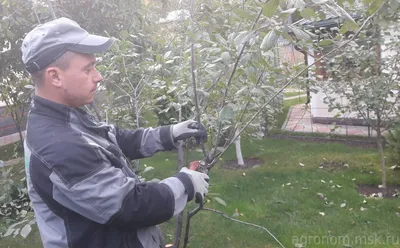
x=82 y=190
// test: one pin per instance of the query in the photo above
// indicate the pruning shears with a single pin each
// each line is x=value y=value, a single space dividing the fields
x=207 y=162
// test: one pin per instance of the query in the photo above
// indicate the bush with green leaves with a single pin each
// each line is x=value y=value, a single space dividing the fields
x=16 y=212
x=167 y=111
x=393 y=143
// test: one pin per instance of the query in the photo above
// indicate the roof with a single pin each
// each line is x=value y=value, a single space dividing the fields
x=327 y=23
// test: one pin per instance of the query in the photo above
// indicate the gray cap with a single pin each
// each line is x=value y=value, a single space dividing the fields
x=49 y=41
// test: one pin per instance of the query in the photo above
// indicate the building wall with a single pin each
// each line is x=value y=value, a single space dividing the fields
x=319 y=109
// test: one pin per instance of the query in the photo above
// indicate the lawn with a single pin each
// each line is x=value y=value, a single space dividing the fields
x=285 y=197
x=290 y=93
x=10 y=151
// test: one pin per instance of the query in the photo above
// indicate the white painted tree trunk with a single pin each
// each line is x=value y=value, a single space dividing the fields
x=239 y=155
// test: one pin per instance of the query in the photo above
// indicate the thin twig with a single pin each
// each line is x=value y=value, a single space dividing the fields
x=231 y=77
x=179 y=224
x=296 y=76
x=245 y=223
x=232 y=133
x=51 y=9
x=19 y=8
x=203 y=147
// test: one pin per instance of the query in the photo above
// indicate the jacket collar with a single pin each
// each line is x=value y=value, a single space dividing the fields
x=42 y=106
x=45 y=107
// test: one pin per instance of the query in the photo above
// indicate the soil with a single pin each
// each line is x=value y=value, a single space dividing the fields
x=333 y=165
x=248 y=163
x=369 y=190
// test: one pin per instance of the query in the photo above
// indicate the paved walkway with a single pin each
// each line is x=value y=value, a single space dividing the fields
x=10 y=139
x=299 y=120
x=293 y=97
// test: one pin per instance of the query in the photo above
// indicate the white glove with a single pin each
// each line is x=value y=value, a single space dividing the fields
x=187 y=129
x=200 y=184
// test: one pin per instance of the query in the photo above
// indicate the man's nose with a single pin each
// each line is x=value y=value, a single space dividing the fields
x=98 y=78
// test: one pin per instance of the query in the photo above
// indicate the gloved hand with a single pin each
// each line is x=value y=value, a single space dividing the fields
x=187 y=129
x=200 y=183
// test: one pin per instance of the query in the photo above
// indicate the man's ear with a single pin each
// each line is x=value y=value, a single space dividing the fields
x=53 y=75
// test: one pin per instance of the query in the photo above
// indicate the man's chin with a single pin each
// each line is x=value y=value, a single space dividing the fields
x=90 y=101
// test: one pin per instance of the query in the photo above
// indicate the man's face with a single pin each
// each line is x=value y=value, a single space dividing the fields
x=79 y=81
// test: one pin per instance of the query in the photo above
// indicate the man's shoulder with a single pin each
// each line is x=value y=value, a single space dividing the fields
x=53 y=141
x=64 y=151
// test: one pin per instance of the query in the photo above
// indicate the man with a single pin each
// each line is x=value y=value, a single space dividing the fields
x=83 y=192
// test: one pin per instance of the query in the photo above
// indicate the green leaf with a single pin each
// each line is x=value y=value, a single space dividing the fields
x=319 y=1
x=308 y=13
x=166 y=55
x=226 y=57
x=300 y=34
x=220 y=201
x=10 y=34
x=241 y=38
x=250 y=71
x=269 y=40
x=26 y=230
x=220 y=38
x=350 y=26
x=325 y=42
x=124 y=34
x=9 y=232
x=148 y=168
x=298 y=4
x=270 y=8
x=289 y=11
x=227 y=112
x=347 y=16
x=376 y=4
x=243 y=14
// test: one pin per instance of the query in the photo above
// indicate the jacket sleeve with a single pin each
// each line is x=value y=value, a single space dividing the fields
x=144 y=142
x=86 y=182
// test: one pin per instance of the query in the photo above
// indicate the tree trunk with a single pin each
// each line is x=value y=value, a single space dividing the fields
x=266 y=127
x=137 y=112
x=382 y=155
x=17 y=121
x=21 y=139
x=239 y=155
x=179 y=219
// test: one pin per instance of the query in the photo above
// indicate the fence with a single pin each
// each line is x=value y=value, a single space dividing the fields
x=7 y=125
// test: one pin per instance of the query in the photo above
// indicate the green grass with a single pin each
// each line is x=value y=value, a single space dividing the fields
x=282 y=196
x=289 y=94
x=10 y=151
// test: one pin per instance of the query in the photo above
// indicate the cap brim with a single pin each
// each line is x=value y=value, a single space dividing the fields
x=92 y=44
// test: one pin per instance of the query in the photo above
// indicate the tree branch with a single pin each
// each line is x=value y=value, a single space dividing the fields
x=203 y=147
x=296 y=76
x=232 y=134
x=179 y=224
x=19 y=8
x=51 y=10
x=230 y=80
x=245 y=223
